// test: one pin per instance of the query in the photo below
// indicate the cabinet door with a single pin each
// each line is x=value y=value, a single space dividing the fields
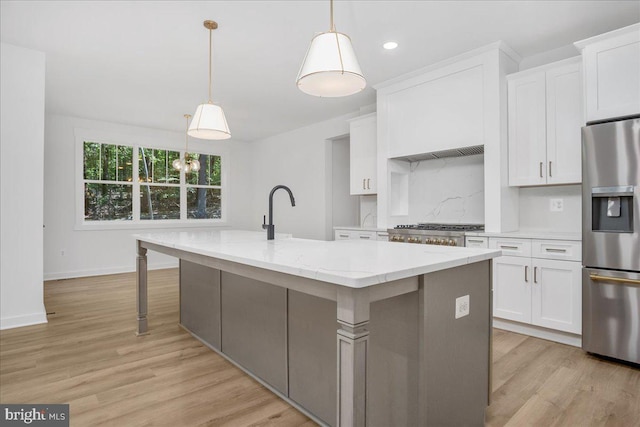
x=557 y=295
x=363 y=160
x=527 y=130
x=512 y=288
x=612 y=76
x=564 y=123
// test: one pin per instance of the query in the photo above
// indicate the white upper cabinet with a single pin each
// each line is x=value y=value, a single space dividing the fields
x=363 y=159
x=443 y=112
x=611 y=64
x=545 y=117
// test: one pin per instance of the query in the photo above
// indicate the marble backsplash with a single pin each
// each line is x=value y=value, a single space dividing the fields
x=449 y=190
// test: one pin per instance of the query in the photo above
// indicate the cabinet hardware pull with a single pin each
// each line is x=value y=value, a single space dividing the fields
x=555 y=250
x=540 y=169
x=550 y=169
x=365 y=237
x=535 y=274
x=475 y=240
x=526 y=273
x=364 y=187
x=515 y=248
x=368 y=182
x=598 y=278
x=344 y=235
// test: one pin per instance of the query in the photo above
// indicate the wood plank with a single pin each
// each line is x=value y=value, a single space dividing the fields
x=88 y=356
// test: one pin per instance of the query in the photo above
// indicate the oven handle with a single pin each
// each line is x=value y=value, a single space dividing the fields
x=598 y=278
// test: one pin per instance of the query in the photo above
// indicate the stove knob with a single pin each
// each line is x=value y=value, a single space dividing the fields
x=452 y=243
x=428 y=241
x=400 y=239
x=438 y=242
x=394 y=238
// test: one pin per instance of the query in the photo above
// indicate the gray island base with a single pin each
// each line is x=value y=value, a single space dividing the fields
x=363 y=352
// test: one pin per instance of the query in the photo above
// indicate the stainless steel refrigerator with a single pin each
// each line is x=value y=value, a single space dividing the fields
x=611 y=239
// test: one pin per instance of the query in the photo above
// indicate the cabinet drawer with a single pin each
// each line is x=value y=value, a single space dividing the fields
x=364 y=235
x=511 y=246
x=342 y=234
x=476 y=242
x=567 y=250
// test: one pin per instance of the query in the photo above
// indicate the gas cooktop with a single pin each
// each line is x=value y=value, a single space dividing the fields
x=440 y=227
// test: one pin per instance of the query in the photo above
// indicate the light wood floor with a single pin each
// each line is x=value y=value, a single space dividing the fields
x=88 y=356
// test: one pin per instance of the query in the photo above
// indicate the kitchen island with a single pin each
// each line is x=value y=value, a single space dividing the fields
x=352 y=333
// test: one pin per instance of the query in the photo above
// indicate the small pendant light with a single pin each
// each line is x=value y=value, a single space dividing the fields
x=187 y=164
x=330 y=68
x=209 y=121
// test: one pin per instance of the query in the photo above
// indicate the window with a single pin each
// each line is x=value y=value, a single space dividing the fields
x=203 y=188
x=158 y=194
x=108 y=183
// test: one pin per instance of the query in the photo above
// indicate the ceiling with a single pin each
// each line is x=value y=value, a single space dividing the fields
x=144 y=63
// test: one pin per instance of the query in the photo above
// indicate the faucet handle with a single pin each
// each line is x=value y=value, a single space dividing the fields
x=264 y=222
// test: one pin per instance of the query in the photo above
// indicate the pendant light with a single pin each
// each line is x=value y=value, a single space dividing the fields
x=188 y=164
x=330 y=68
x=209 y=121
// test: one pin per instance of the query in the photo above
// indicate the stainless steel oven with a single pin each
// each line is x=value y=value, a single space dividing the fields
x=611 y=239
x=432 y=234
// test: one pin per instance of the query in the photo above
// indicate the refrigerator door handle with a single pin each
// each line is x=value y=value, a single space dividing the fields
x=599 y=278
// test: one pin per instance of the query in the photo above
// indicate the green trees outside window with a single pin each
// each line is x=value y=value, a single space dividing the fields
x=164 y=194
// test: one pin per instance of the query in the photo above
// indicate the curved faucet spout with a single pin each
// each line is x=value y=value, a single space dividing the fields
x=273 y=190
x=270 y=227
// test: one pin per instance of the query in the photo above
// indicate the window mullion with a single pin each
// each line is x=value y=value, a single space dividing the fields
x=135 y=177
x=183 y=190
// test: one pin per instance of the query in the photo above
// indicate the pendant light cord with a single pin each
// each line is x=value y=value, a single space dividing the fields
x=210 y=62
x=333 y=27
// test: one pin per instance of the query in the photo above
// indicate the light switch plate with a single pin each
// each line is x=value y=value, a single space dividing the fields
x=556 y=205
x=462 y=306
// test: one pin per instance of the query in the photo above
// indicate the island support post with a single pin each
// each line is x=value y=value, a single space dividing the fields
x=141 y=288
x=352 y=353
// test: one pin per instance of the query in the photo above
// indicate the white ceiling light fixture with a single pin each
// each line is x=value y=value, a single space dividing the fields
x=209 y=121
x=188 y=164
x=390 y=45
x=330 y=68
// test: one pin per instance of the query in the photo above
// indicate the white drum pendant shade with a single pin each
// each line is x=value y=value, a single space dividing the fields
x=209 y=122
x=331 y=68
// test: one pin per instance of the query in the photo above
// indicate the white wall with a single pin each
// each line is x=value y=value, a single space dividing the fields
x=21 y=158
x=299 y=159
x=535 y=213
x=345 y=208
x=74 y=253
x=449 y=190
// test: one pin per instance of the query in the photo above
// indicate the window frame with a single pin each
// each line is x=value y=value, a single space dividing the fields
x=137 y=142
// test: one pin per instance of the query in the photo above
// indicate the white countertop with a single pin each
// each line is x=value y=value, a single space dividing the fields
x=530 y=234
x=351 y=263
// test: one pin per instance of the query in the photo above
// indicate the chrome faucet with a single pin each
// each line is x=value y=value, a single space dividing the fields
x=270 y=227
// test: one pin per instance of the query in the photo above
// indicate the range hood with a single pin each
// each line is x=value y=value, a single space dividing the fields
x=453 y=152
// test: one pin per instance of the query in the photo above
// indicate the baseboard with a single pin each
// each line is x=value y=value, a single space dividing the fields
x=539 y=332
x=104 y=271
x=24 y=320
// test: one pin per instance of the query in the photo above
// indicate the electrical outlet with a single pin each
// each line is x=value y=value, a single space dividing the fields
x=556 y=205
x=462 y=306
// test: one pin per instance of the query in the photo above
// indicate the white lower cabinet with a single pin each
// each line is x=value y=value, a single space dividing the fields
x=511 y=288
x=346 y=234
x=556 y=297
x=542 y=291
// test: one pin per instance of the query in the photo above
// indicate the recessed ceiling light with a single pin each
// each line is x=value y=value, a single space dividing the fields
x=390 y=45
